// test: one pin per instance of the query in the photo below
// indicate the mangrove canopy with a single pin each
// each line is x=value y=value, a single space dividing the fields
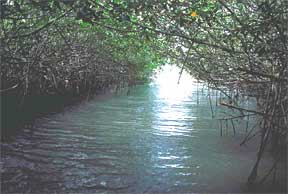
x=76 y=48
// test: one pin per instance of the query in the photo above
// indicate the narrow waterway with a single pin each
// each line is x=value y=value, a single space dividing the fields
x=159 y=138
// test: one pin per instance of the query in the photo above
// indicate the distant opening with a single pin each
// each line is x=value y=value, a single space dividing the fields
x=166 y=79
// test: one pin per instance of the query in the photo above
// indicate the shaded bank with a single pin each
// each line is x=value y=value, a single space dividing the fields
x=17 y=111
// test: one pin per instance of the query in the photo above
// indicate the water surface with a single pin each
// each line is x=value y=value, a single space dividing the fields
x=158 y=139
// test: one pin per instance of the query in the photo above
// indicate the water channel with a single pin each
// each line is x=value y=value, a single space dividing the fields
x=161 y=138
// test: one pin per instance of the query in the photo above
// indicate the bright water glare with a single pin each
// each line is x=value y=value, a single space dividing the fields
x=160 y=138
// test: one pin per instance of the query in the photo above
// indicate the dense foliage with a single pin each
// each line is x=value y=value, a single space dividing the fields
x=52 y=46
x=43 y=43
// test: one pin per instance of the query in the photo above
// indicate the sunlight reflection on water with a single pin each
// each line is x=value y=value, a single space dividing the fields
x=173 y=95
